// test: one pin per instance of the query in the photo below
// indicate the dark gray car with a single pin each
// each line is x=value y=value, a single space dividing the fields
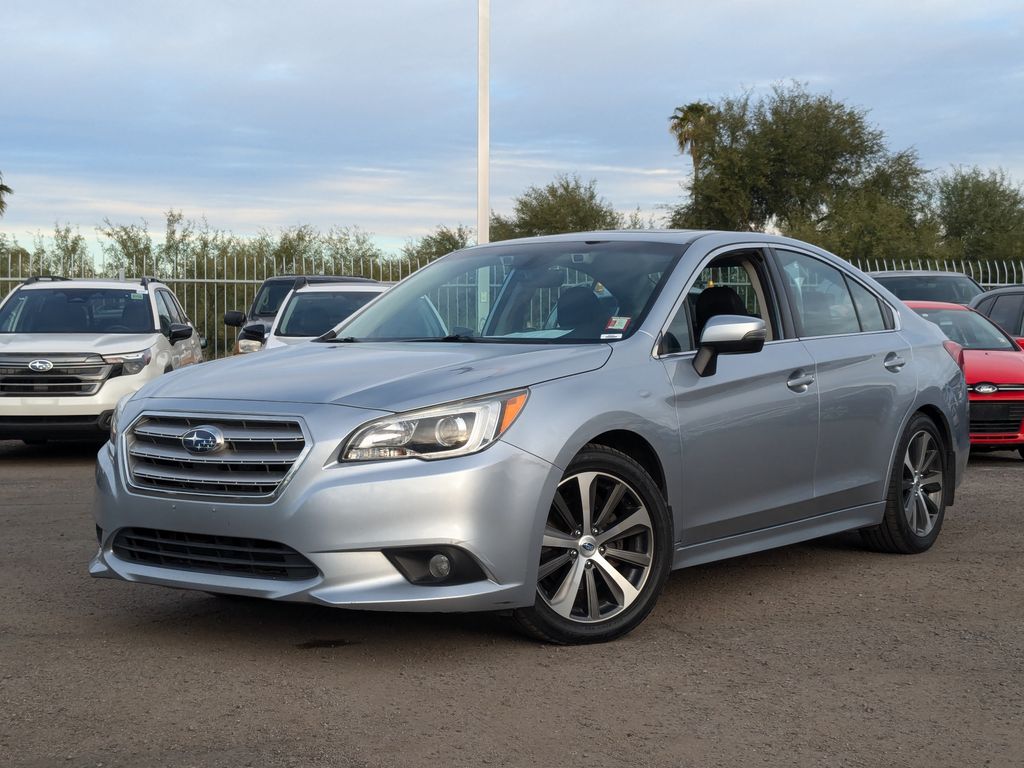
x=547 y=426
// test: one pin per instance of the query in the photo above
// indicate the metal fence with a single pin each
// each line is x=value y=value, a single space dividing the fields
x=208 y=287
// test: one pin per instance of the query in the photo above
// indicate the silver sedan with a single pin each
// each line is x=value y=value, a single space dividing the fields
x=548 y=427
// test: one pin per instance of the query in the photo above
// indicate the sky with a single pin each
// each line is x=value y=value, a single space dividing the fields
x=262 y=115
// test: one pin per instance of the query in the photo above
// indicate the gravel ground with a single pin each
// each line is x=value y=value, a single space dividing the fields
x=815 y=655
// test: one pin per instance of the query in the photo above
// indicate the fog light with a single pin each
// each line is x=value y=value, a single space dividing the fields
x=440 y=566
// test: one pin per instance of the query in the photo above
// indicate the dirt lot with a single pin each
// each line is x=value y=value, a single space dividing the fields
x=815 y=655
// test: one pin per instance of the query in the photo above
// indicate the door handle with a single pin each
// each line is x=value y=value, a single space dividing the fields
x=894 y=362
x=799 y=381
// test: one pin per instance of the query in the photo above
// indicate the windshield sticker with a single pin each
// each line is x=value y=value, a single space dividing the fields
x=611 y=335
x=617 y=324
x=136 y=296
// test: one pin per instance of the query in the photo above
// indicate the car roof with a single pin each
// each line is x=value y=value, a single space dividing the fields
x=917 y=273
x=914 y=304
x=321 y=279
x=335 y=288
x=680 y=236
x=1011 y=289
x=99 y=284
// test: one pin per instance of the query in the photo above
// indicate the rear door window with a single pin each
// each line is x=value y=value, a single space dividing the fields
x=822 y=303
x=869 y=309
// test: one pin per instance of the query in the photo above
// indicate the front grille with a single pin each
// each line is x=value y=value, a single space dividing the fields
x=225 y=555
x=257 y=456
x=81 y=375
x=996 y=418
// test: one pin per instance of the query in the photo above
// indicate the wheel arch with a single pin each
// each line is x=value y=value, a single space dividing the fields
x=637 y=448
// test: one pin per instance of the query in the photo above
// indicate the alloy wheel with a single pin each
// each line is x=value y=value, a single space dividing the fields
x=597 y=550
x=922 y=483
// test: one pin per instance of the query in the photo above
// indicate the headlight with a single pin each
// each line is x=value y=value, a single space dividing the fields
x=116 y=416
x=131 y=362
x=449 y=430
x=249 y=345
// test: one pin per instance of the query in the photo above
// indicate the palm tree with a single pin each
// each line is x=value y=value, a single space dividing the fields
x=691 y=125
x=4 y=190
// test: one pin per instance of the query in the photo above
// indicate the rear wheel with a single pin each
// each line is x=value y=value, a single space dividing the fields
x=606 y=552
x=916 y=503
x=1021 y=452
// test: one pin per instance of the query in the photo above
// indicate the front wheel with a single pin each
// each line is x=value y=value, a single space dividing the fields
x=916 y=502
x=1021 y=451
x=606 y=551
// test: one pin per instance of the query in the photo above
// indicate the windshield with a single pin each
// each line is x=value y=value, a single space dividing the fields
x=554 y=293
x=270 y=296
x=316 y=312
x=968 y=329
x=958 y=289
x=77 y=310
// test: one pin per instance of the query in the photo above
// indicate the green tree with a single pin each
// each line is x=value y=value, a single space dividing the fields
x=129 y=247
x=980 y=214
x=4 y=192
x=441 y=241
x=806 y=164
x=886 y=214
x=564 y=205
x=693 y=127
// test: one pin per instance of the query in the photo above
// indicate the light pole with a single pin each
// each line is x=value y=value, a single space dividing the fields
x=483 y=159
x=483 y=122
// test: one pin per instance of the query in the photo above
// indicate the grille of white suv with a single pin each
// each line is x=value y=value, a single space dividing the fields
x=255 y=458
x=68 y=375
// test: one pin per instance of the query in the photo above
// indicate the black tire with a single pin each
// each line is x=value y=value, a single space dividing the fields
x=1021 y=452
x=601 y=606
x=897 y=533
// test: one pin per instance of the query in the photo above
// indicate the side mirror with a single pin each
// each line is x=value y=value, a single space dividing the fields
x=1020 y=341
x=728 y=335
x=180 y=332
x=254 y=331
x=234 y=318
x=203 y=343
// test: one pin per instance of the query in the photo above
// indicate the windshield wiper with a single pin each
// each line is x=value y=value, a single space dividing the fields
x=454 y=337
x=331 y=337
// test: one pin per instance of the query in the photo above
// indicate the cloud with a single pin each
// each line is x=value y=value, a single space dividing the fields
x=262 y=114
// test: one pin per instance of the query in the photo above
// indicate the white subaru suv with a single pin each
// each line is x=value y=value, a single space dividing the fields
x=71 y=349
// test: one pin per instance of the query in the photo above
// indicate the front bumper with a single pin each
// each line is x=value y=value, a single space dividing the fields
x=67 y=416
x=343 y=518
x=997 y=421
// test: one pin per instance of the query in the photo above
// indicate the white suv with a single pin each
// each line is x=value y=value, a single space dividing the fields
x=71 y=349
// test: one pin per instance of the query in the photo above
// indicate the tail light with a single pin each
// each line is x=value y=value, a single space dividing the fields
x=956 y=352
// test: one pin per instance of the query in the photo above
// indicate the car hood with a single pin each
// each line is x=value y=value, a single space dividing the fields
x=43 y=344
x=993 y=366
x=386 y=376
x=286 y=341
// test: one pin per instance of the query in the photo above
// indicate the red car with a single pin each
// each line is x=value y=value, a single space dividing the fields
x=994 y=369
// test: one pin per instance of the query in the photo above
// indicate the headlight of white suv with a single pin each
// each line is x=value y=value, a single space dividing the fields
x=456 y=429
x=249 y=345
x=131 y=362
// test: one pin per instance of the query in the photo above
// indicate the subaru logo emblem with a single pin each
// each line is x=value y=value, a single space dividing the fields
x=588 y=546
x=41 y=366
x=203 y=440
x=985 y=389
